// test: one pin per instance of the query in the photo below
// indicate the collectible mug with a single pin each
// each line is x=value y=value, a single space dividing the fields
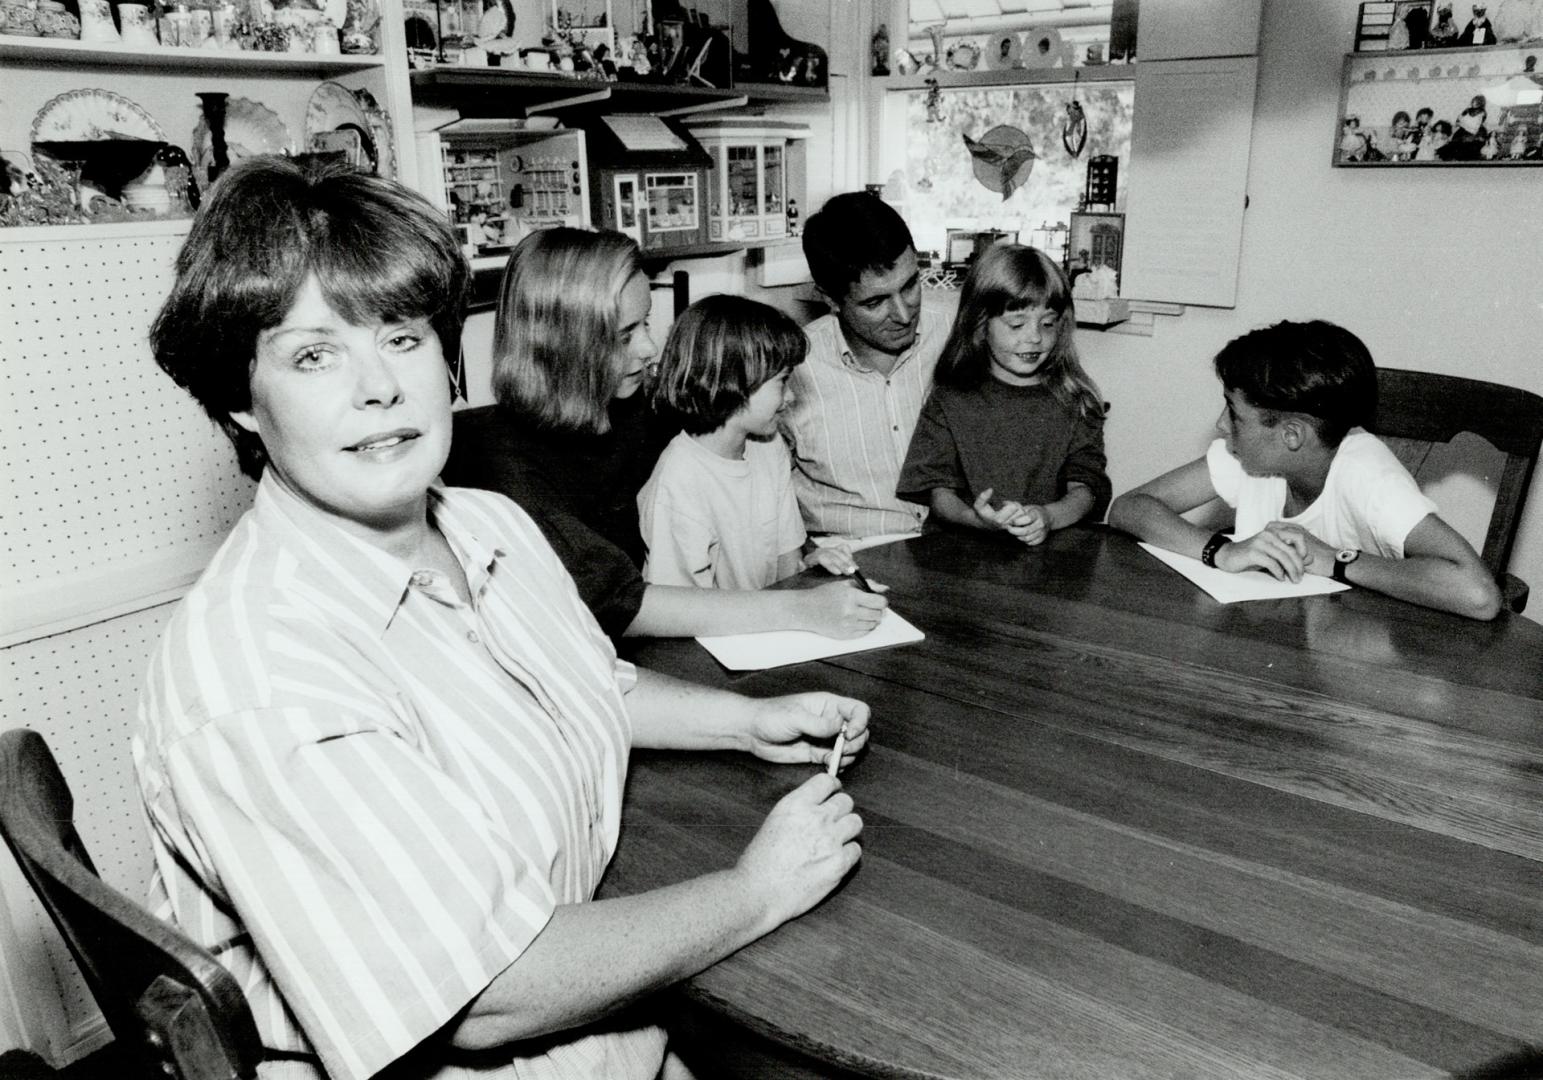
x=200 y=31
x=324 y=38
x=96 y=21
x=138 y=27
x=174 y=26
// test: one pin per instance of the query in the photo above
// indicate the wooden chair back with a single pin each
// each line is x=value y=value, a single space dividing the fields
x=1421 y=408
x=174 y=1011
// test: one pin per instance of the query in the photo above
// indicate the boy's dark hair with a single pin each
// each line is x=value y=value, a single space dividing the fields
x=1317 y=369
x=377 y=249
x=852 y=233
x=721 y=350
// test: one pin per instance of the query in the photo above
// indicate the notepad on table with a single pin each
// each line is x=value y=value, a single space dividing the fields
x=865 y=543
x=774 y=648
x=1249 y=585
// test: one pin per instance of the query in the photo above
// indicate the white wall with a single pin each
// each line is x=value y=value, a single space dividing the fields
x=1437 y=269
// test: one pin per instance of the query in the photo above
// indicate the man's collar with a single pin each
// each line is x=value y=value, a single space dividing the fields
x=850 y=358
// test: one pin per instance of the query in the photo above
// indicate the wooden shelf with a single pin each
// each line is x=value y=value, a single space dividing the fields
x=70 y=51
x=958 y=80
x=486 y=92
x=779 y=93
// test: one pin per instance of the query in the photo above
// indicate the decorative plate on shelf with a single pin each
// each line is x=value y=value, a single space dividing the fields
x=333 y=107
x=380 y=127
x=90 y=115
x=251 y=129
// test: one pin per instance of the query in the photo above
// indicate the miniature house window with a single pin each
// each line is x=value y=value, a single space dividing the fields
x=752 y=176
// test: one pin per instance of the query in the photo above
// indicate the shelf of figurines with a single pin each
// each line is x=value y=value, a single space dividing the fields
x=109 y=54
x=954 y=79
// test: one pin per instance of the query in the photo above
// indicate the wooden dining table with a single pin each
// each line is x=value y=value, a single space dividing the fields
x=1115 y=829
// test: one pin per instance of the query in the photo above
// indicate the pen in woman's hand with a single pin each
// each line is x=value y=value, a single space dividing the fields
x=833 y=764
x=862 y=581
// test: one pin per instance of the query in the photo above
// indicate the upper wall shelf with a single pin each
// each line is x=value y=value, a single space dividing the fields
x=508 y=92
x=501 y=92
x=70 y=51
x=956 y=80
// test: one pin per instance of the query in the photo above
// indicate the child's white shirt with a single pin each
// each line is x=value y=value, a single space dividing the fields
x=1368 y=502
x=713 y=522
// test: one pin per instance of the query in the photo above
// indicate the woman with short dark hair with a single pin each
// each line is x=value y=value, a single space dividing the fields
x=383 y=743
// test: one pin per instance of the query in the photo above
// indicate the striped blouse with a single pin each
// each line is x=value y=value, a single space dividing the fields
x=850 y=426
x=366 y=797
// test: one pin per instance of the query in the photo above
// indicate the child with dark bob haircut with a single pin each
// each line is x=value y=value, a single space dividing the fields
x=1312 y=492
x=376 y=249
x=719 y=510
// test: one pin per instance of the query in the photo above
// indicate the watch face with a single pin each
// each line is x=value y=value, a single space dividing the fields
x=1347 y=555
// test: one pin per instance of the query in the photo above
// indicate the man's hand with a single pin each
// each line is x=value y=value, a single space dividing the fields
x=799 y=728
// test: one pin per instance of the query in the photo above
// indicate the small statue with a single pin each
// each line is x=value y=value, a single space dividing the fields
x=879 y=47
x=792 y=217
x=1444 y=31
x=1479 y=31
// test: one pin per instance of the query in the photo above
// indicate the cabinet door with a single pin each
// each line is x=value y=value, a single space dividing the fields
x=1188 y=180
x=1190 y=29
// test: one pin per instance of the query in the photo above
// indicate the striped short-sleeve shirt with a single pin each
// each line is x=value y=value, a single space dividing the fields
x=849 y=427
x=366 y=797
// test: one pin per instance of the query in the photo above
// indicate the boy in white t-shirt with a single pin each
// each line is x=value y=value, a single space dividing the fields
x=1311 y=492
x=719 y=510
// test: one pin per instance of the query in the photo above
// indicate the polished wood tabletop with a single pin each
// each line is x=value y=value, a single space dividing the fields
x=1114 y=829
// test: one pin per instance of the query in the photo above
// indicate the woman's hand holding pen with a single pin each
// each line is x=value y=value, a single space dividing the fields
x=798 y=728
x=806 y=845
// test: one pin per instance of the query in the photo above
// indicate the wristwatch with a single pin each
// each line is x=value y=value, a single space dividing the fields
x=1342 y=560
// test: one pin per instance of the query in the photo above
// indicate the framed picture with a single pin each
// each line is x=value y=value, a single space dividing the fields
x=1479 y=106
x=1095 y=241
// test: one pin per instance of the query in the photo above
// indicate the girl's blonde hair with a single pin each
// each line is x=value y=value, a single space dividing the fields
x=721 y=350
x=556 y=336
x=1013 y=277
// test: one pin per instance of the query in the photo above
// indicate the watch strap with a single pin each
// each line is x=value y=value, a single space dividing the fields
x=1342 y=561
x=1212 y=546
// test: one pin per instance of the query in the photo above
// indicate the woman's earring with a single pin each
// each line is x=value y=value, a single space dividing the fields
x=458 y=377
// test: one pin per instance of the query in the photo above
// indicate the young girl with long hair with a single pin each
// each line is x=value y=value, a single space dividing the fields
x=1012 y=436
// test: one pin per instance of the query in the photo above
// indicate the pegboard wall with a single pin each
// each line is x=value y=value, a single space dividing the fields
x=116 y=487
x=114 y=490
x=78 y=690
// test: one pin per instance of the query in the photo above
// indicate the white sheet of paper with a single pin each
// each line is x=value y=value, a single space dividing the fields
x=1249 y=585
x=865 y=542
x=774 y=648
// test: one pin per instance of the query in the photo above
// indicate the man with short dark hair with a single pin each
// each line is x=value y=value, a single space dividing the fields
x=870 y=364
